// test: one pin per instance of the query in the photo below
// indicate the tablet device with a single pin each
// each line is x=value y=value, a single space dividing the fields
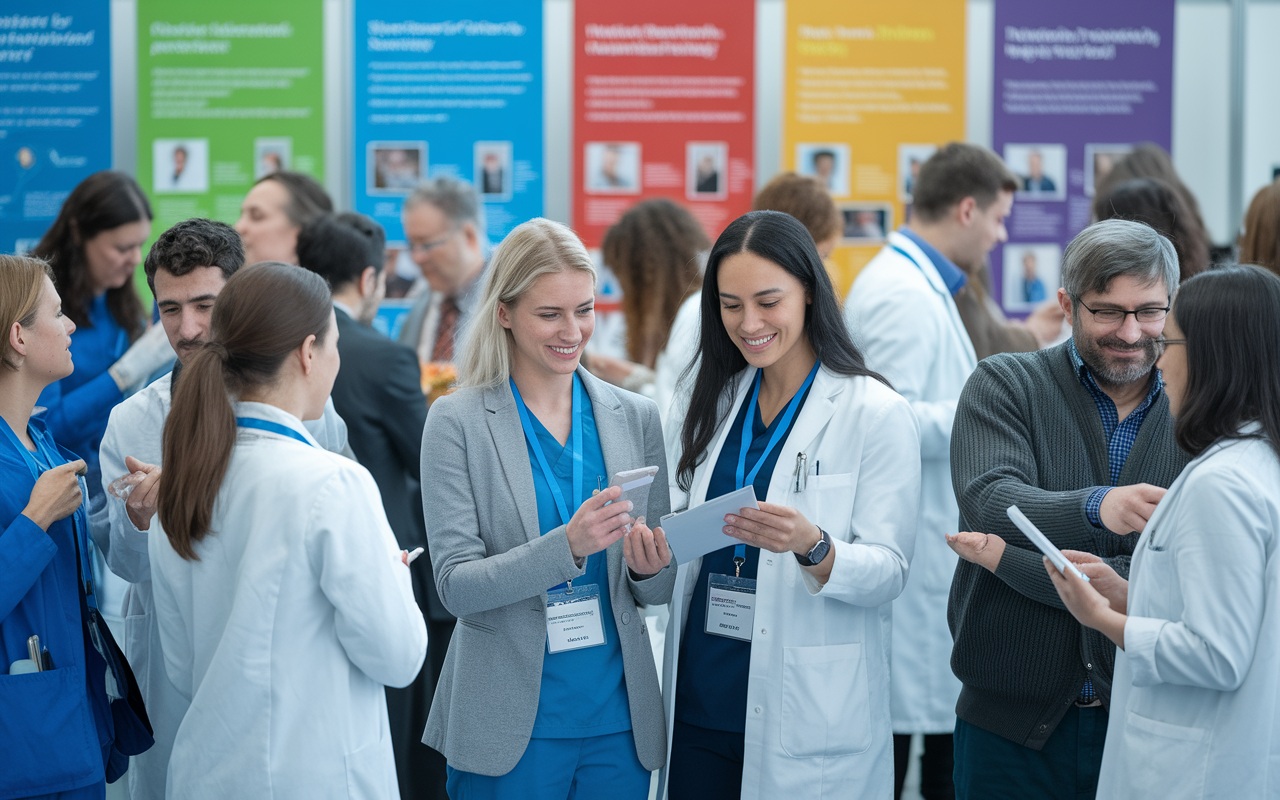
x=1042 y=542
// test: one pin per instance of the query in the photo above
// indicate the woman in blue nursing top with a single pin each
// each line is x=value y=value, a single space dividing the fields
x=776 y=675
x=549 y=689
x=94 y=248
x=55 y=723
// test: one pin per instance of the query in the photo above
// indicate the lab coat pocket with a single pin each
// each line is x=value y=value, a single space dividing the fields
x=827 y=501
x=1165 y=760
x=137 y=637
x=49 y=740
x=371 y=772
x=826 y=709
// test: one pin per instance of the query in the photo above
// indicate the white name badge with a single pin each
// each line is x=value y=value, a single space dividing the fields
x=731 y=607
x=573 y=618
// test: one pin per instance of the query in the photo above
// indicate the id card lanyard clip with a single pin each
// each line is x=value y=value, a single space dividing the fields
x=574 y=616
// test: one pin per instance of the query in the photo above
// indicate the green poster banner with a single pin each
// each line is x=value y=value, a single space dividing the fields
x=227 y=92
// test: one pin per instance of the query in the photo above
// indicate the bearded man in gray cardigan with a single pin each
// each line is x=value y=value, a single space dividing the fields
x=1079 y=437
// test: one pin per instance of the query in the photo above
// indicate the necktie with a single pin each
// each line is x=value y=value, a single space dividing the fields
x=443 y=348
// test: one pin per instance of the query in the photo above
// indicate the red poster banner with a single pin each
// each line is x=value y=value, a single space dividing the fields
x=665 y=102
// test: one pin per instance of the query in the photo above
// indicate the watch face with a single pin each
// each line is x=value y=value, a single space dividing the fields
x=819 y=551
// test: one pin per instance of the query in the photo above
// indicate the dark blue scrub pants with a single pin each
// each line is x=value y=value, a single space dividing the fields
x=595 y=767
x=990 y=767
x=705 y=764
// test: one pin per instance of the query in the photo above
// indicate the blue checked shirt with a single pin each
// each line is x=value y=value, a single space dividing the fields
x=1120 y=439
x=1120 y=435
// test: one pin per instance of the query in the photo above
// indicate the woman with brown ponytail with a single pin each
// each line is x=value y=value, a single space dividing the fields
x=283 y=602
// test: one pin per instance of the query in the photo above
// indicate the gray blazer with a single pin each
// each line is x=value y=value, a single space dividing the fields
x=493 y=570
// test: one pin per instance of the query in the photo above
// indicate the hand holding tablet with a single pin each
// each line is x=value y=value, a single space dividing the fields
x=1040 y=541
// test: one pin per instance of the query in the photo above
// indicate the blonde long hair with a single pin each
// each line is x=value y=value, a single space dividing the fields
x=21 y=284
x=536 y=248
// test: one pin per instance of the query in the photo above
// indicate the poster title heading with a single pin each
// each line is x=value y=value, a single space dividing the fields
x=412 y=36
x=21 y=34
x=1073 y=44
x=654 y=41
x=211 y=38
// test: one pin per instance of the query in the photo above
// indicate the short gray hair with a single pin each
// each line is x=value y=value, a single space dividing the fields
x=1109 y=249
x=456 y=199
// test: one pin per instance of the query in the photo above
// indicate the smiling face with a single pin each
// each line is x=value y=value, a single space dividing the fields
x=45 y=345
x=186 y=306
x=762 y=307
x=265 y=228
x=113 y=255
x=1173 y=366
x=551 y=322
x=1122 y=353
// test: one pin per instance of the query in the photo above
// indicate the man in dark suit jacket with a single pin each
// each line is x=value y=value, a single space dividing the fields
x=379 y=389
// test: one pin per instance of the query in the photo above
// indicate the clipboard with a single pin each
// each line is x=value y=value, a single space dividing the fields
x=694 y=533
x=1042 y=542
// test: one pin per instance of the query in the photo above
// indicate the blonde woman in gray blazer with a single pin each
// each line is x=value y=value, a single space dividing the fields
x=549 y=688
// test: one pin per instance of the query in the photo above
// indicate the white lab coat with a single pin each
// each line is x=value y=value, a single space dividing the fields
x=1195 y=709
x=906 y=323
x=675 y=358
x=135 y=429
x=817 y=711
x=281 y=636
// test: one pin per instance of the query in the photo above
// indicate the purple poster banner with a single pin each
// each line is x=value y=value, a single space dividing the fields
x=1076 y=86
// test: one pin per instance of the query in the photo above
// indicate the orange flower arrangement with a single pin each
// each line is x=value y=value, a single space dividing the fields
x=438 y=378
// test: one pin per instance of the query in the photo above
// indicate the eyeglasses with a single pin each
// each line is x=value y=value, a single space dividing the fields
x=1113 y=316
x=427 y=247
x=1167 y=342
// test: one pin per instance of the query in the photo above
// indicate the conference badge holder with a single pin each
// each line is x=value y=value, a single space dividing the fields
x=574 y=619
x=731 y=605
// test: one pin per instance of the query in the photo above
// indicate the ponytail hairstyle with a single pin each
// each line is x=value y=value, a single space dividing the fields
x=263 y=314
x=781 y=239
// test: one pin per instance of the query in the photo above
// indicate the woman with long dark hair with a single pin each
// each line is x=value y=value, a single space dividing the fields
x=94 y=247
x=781 y=669
x=1195 y=705
x=280 y=593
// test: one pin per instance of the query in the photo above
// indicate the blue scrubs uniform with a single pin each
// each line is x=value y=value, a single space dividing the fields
x=55 y=726
x=711 y=694
x=582 y=744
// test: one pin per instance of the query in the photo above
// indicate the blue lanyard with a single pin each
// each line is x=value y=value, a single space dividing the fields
x=575 y=439
x=742 y=477
x=271 y=427
x=79 y=520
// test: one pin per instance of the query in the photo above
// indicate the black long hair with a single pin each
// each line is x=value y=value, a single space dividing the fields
x=101 y=202
x=1231 y=319
x=781 y=239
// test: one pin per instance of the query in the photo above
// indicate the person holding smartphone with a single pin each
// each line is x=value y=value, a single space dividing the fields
x=549 y=688
x=1196 y=700
x=794 y=703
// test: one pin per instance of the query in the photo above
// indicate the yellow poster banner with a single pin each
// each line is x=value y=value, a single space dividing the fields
x=872 y=89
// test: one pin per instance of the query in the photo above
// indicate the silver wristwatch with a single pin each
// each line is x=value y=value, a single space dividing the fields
x=814 y=557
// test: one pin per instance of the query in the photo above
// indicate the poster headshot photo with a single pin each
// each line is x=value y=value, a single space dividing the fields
x=1032 y=274
x=271 y=154
x=180 y=166
x=1098 y=161
x=828 y=162
x=493 y=170
x=911 y=158
x=865 y=223
x=1042 y=169
x=612 y=167
x=394 y=168
x=706 y=170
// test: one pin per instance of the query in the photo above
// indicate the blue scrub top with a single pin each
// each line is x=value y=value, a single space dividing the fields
x=712 y=690
x=80 y=404
x=61 y=717
x=583 y=691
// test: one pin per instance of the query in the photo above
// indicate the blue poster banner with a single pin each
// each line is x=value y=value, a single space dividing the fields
x=55 y=110
x=441 y=94
x=1077 y=85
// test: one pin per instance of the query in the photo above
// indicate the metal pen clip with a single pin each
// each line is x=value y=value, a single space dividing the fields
x=802 y=472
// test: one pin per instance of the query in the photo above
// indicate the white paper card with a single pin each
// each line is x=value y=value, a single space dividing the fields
x=731 y=607
x=573 y=619
x=700 y=530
